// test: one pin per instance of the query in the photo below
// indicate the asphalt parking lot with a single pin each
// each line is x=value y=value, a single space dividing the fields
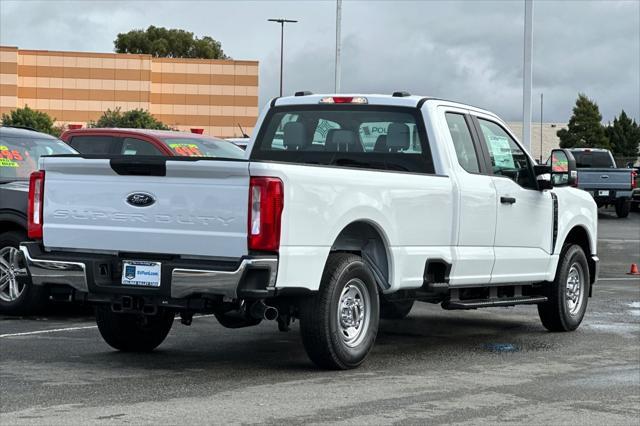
x=475 y=367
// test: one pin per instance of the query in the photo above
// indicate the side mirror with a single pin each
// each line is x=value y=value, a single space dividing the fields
x=543 y=176
x=563 y=168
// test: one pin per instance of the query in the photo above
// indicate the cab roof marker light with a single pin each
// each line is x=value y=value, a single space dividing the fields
x=344 y=100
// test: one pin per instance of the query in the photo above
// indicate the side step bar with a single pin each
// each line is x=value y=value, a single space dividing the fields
x=487 y=303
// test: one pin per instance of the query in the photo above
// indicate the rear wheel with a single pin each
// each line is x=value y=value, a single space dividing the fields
x=569 y=292
x=133 y=332
x=339 y=325
x=623 y=207
x=395 y=310
x=18 y=296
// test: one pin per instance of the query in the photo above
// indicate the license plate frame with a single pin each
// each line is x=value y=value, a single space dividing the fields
x=603 y=193
x=141 y=273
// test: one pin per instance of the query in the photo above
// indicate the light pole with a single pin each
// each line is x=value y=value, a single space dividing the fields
x=541 y=106
x=281 y=21
x=527 y=71
x=336 y=87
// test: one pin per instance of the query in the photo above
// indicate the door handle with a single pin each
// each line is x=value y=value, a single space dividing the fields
x=507 y=200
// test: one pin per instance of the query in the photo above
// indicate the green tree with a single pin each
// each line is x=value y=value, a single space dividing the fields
x=27 y=117
x=585 y=127
x=624 y=136
x=168 y=43
x=133 y=119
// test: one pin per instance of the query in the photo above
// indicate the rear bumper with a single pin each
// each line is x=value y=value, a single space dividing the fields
x=612 y=196
x=99 y=275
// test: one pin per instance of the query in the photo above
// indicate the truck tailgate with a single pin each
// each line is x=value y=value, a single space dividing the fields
x=612 y=179
x=196 y=207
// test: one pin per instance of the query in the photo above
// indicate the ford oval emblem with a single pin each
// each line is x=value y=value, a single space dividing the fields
x=140 y=199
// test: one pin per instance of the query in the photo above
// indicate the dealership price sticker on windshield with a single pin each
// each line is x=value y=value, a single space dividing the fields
x=142 y=274
x=501 y=150
x=186 y=149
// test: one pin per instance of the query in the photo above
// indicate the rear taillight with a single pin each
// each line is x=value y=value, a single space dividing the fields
x=266 y=200
x=34 y=208
x=634 y=180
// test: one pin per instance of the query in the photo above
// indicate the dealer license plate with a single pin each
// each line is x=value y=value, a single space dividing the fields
x=141 y=274
x=603 y=193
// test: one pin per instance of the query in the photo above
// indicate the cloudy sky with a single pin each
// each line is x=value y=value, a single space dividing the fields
x=463 y=50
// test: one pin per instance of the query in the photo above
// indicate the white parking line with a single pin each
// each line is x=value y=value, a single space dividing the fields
x=88 y=327
x=614 y=240
x=54 y=330
x=620 y=279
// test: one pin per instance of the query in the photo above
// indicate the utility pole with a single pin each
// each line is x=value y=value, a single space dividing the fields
x=281 y=21
x=526 y=94
x=337 y=63
x=541 y=106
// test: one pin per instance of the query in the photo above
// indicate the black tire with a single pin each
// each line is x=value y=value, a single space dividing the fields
x=132 y=332
x=623 y=206
x=322 y=333
x=32 y=298
x=395 y=310
x=556 y=314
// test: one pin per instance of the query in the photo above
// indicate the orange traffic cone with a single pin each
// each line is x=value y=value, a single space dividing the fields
x=634 y=270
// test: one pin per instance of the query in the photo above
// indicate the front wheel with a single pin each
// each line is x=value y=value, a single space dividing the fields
x=339 y=325
x=133 y=332
x=623 y=206
x=569 y=292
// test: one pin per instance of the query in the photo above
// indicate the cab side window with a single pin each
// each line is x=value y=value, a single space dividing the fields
x=133 y=146
x=463 y=142
x=507 y=158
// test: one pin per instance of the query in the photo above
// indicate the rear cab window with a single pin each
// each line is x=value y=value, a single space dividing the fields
x=19 y=156
x=362 y=136
x=96 y=144
x=593 y=159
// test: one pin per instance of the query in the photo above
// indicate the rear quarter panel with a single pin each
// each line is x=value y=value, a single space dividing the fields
x=412 y=212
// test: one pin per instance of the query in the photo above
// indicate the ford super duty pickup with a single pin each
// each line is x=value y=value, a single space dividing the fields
x=598 y=175
x=346 y=209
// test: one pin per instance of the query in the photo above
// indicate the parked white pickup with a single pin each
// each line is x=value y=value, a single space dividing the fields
x=348 y=208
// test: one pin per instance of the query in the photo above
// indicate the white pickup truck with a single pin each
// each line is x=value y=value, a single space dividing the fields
x=347 y=209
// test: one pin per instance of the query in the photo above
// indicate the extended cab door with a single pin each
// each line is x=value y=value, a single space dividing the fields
x=476 y=208
x=524 y=224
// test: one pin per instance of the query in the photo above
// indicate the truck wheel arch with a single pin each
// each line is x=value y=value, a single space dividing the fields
x=580 y=236
x=10 y=222
x=368 y=240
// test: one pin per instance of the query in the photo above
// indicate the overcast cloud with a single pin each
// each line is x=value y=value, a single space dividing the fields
x=463 y=50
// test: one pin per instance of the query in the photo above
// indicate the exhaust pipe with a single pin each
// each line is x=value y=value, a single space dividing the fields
x=260 y=310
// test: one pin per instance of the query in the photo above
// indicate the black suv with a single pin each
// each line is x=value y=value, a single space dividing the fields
x=20 y=150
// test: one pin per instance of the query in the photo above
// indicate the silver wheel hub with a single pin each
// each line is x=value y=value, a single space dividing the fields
x=353 y=312
x=13 y=274
x=574 y=289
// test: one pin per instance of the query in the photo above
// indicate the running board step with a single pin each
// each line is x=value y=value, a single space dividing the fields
x=488 y=303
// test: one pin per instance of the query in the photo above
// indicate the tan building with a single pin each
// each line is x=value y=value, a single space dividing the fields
x=76 y=87
x=550 y=139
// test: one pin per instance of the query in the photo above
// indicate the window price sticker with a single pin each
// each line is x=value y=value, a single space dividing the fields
x=186 y=149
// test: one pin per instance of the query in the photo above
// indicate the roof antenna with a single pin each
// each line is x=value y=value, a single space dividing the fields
x=244 y=135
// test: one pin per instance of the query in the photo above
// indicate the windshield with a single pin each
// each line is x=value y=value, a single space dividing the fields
x=371 y=137
x=203 y=147
x=19 y=155
x=595 y=159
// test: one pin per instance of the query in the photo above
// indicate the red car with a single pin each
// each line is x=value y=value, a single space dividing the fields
x=149 y=142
